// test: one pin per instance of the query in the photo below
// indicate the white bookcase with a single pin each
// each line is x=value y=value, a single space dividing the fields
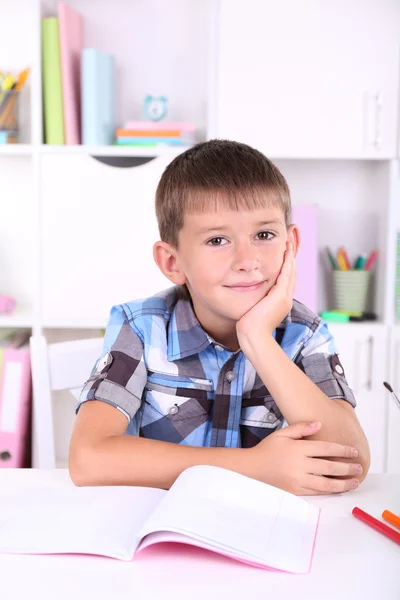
x=76 y=234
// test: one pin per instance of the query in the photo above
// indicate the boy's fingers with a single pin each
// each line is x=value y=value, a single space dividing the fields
x=331 y=468
x=324 y=485
x=299 y=430
x=317 y=449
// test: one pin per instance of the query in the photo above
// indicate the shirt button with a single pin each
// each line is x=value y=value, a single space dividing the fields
x=173 y=410
x=230 y=376
x=339 y=369
x=103 y=362
x=218 y=348
x=271 y=418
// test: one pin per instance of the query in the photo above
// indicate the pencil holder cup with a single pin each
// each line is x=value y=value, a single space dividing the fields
x=350 y=290
x=8 y=116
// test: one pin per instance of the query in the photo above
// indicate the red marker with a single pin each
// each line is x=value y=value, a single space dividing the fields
x=378 y=525
x=371 y=260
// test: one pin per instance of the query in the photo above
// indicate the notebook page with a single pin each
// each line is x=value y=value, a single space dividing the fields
x=239 y=516
x=54 y=519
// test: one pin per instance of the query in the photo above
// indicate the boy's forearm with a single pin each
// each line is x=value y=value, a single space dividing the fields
x=299 y=399
x=127 y=460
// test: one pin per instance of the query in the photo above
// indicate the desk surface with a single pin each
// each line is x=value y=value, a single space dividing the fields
x=351 y=560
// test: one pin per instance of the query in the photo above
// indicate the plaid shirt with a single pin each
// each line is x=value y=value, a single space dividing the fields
x=174 y=383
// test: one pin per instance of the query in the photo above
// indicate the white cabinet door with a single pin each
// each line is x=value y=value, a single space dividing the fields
x=98 y=231
x=393 y=412
x=363 y=350
x=309 y=79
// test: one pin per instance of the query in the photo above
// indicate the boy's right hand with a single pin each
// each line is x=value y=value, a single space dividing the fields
x=286 y=461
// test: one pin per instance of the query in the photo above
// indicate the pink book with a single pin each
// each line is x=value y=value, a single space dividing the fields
x=305 y=217
x=206 y=507
x=71 y=44
x=160 y=125
x=15 y=404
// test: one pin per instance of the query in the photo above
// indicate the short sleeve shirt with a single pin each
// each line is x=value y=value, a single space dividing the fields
x=174 y=383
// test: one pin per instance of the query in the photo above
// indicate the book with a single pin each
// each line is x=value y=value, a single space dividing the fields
x=208 y=507
x=98 y=97
x=53 y=107
x=139 y=141
x=183 y=127
x=71 y=45
x=121 y=132
x=15 y=398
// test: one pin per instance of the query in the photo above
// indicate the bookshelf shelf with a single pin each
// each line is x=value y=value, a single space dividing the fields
x=113 y=150
x=16 y=150
x=21 y=318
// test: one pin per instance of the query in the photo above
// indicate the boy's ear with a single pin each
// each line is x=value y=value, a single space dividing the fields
x=166 y=259
x=294 y=237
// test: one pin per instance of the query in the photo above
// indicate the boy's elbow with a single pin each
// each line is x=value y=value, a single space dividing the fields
x=81 y=466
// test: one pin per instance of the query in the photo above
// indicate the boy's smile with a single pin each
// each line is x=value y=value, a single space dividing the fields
x=229 y=260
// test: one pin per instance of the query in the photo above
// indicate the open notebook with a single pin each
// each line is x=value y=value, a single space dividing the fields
x=209 y=507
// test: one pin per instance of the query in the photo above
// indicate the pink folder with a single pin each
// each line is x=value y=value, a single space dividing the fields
x=71 y=44
x=305 y=217
x=15 y=404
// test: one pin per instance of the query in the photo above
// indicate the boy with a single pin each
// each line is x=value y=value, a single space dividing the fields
x=225 y=368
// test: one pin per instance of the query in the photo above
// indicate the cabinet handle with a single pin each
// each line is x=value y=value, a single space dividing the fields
x=378 y=120
x=368 y=383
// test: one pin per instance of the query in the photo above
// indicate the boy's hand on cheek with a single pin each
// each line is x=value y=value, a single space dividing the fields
x=301 y=466
x=265 y=316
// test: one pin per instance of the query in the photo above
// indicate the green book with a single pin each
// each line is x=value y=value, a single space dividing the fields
x=53 y=109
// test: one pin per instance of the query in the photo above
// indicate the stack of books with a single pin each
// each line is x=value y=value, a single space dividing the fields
x=154 y=133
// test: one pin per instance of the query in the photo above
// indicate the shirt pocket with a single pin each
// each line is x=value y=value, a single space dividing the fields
x=260 y=417
x=176 y=409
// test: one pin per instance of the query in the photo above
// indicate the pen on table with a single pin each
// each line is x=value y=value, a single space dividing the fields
x=391 y=518
x=332 y=259
x=375 y=524
x=394 y=396
x=371 y=260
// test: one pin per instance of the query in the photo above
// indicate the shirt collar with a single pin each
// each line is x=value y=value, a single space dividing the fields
x=185 y=334
x=187 y=337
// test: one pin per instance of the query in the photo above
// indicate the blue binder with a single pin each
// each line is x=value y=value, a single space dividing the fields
x=97 y=97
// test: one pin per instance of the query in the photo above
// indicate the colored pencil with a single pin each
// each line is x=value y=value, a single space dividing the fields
x=391 y=518
x=375 y=524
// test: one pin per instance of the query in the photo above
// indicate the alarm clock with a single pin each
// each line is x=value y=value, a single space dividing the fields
x=155 y=107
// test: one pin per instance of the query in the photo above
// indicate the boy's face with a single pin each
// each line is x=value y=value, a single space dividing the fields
x=229 y=261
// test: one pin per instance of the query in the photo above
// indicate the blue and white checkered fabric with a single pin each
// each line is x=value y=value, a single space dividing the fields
x=175 y=383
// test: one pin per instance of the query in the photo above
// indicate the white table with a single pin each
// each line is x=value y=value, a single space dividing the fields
x=351 y=561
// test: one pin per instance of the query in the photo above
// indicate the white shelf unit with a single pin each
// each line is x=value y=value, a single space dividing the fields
x=16 y=150
x=76 y=234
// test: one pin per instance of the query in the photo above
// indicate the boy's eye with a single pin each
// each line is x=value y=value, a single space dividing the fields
x=265 y=235
x=217 y=241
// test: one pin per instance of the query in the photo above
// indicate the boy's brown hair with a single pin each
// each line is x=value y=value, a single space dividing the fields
x=215 y=172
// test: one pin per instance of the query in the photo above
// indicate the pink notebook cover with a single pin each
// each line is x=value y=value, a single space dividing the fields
x=71 y=44
x=15 y=401
x=305 y=217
